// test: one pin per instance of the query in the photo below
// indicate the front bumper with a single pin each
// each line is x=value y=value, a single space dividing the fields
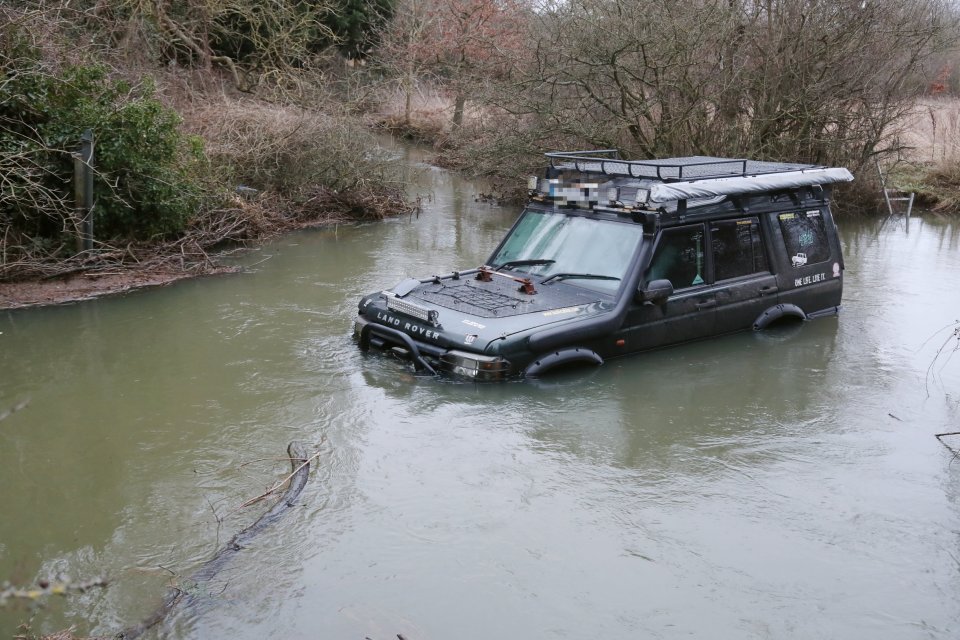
x=427 y=357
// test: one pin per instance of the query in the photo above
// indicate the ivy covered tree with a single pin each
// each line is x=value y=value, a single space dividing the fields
x=356 y=25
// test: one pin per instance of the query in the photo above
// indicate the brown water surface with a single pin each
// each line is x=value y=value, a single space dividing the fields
x=773 y=485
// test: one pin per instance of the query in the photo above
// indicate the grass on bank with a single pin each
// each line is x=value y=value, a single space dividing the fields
x=936 y=185
x=930 y=155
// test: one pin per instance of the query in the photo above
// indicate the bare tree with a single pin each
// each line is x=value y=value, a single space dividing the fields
x=405 y=48
x=458 y=43
x=816 y=80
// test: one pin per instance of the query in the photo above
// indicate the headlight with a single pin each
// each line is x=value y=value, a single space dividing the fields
x=475 y=365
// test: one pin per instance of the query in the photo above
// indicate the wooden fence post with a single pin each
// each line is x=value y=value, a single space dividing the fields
x=83 y=190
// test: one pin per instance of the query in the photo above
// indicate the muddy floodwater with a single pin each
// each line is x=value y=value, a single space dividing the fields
x=763 y=485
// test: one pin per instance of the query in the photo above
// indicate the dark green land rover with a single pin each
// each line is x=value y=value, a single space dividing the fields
x=613 y=256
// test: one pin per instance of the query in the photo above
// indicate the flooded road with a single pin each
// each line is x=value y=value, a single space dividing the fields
x=774 y=485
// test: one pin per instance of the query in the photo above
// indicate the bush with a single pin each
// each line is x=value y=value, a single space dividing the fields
x=144 y=184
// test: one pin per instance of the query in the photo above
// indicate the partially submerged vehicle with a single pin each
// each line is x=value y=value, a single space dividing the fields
x=612 y=256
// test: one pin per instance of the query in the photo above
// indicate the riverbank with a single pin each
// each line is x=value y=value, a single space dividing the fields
x=198 y=252
x=928 y=161
x=177 y=166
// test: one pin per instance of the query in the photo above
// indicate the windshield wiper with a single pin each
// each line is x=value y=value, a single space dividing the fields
x=509 y=264
x=584 y=276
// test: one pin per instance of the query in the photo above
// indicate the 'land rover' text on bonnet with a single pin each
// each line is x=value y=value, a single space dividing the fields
x=611 y=257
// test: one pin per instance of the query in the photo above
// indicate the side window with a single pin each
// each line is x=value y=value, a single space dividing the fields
x=680 y=257
x=737 y=248
x=805 y=237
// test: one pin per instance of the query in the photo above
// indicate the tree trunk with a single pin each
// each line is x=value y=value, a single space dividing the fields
x=458 y=110
x=408 y=95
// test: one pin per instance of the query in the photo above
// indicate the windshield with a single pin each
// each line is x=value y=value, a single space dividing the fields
x=574 y=249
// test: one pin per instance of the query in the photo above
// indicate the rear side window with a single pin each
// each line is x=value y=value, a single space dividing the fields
x=680 y=257
x=737 y=248
x=805 y=237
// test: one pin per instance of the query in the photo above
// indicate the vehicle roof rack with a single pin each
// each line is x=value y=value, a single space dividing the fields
x=687 y=169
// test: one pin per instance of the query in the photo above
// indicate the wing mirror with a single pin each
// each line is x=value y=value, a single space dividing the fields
x=656 y=292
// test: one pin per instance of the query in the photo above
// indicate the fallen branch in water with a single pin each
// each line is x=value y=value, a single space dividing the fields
x=296 y=482
x=954 y=336
x=941 y=436
x=280 y=484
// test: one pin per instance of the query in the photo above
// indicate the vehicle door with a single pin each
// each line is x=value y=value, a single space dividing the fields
x=680 y=257
x=811 y=269
x=744 y=285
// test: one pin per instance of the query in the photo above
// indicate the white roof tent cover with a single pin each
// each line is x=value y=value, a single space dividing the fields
x=708 y=188
x=695 y=177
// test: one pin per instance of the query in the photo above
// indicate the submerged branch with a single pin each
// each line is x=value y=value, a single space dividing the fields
x=280 y=484
x=12 y=410
x=941 y=436
x=297 y=480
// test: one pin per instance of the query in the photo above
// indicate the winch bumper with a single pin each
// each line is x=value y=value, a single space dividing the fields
x=427 y=357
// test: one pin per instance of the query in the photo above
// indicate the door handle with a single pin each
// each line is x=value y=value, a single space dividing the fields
x=765 y=291
x=706 y=304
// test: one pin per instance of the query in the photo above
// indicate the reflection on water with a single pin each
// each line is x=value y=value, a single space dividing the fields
x=782 y=485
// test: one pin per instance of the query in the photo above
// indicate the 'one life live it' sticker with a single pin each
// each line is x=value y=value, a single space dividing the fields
x=817 y=277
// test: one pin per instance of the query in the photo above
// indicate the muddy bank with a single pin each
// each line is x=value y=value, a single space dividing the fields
x=87 y=286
